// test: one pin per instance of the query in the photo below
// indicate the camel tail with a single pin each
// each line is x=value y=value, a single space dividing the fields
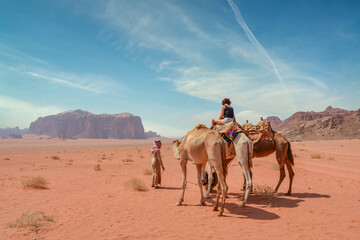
x=250 y=153
x=224 y=160
x=290 y=155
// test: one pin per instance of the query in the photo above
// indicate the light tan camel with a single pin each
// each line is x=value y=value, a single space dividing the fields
x=241 y=149
x=201 y=145
x=266 y=144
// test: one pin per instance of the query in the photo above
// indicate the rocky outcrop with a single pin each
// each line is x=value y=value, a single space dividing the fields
x=332 y=123
x=83 y=124
x=337 y=126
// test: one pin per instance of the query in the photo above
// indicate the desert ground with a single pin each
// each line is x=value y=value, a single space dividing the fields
x=87 y=204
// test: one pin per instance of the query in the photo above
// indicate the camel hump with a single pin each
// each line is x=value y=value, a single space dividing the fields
x=200 y=125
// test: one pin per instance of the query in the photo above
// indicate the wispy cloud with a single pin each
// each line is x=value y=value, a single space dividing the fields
x=19 y=113
x=90 y=83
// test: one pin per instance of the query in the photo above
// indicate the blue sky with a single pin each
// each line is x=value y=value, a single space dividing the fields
x=172 y=62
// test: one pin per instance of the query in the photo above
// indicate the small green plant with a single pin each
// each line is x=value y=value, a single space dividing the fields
x=266 y=193
x=97 y=167
x=275 y=166
x=31 y=220
x=127 y=160
x=135 y=184
x=147 y=171
x=315 y=155
x=37 y=182
x=55 y=157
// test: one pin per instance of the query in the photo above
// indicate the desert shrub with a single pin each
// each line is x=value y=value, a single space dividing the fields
x=141 y=156
x=37 y=182
x=147 y=171
x=275 y=166
x=55 y=157
x=331 y=158
x=295 y=155
x=315 y=155
x=127 y=160
x=266 y=193
x=97 y=167
x=6 y=158
x=135 y=184
x=31 y=220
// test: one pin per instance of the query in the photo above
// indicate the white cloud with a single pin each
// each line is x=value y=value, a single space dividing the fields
x=165 y=130
x=92 y=83
x=15 y=112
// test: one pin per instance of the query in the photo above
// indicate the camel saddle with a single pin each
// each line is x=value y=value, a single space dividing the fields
x=261 y=131
x=223 y=130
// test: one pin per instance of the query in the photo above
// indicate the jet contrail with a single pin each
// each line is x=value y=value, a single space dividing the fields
x=257 y=45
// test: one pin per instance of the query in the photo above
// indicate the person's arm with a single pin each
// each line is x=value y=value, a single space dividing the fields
x=160 y=160
x=222 y=112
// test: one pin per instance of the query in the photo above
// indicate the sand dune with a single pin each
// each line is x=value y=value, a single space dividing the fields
x=89 y=204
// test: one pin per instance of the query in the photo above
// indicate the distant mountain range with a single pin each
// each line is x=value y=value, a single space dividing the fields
x=5 y=132
x=332 y=123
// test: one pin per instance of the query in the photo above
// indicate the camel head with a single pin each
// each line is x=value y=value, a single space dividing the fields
x=175 y=145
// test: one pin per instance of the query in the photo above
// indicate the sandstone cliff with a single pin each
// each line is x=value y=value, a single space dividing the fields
x=83 y=124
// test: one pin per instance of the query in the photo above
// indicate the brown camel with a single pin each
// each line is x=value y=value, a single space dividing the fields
x=267 y=143
x=201 y=145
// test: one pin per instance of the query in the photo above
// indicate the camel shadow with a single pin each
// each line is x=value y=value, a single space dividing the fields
x=310 y=195
x=250 y=212
x=246 y=212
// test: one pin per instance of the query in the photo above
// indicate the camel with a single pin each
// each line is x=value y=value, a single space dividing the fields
x=266 y=144
x=243 y=149
x=201 y=145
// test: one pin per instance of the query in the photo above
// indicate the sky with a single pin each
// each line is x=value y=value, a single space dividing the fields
x=172 y=62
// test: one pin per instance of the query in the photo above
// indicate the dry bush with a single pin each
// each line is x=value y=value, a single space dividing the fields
x=127 y=160
x=141 y=156
x=37 y=182
x=265 y=192
x=295 y=155
x=147 y=171
x=135 y=184
x=315 y=155
x=55 y=157
x=6 y=158
x=275 y=166
x=331 y=158
x=31 y=220
x=97 y=167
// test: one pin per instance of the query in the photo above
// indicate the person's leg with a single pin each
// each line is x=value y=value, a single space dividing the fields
x=216 y=121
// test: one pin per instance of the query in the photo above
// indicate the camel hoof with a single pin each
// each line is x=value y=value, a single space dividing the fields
x=215 y=209
x=202 y=204
x=288 y=194
x=220 y=214
x=242 y=205
x=178 y=204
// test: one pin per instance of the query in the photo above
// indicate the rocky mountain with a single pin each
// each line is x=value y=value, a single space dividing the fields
x=5 y=132
x=332 y=123
x=83 y=124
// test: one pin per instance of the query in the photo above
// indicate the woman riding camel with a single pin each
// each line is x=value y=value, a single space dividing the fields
x=226 y=114
x=156 y=164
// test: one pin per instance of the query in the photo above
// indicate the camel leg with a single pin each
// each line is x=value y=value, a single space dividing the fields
x=282 y=176
x=280 y=157
x=199 y=173
x=183 y=168
x=246 y=173
x=217 y=198
x=244 y=184
x=291 y=176
x=224 y=189
x=210 y=179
